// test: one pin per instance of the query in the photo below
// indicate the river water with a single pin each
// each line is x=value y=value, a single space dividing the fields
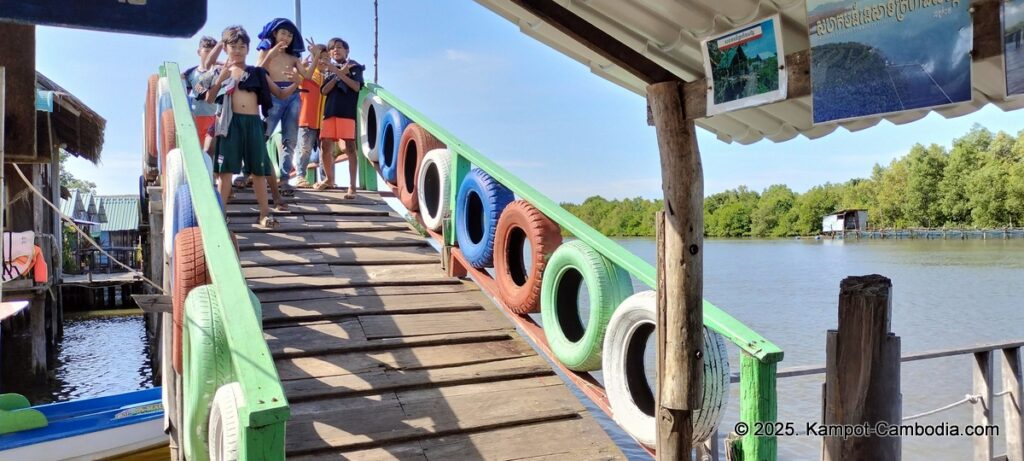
x=946 y=294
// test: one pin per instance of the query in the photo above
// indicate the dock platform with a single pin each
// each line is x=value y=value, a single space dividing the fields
x=383 y=356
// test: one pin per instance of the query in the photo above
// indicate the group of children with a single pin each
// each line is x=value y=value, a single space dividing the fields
x=237 y=107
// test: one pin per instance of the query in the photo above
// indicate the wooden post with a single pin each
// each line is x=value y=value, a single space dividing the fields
x=1012 y=405
x=983 y=445
x=681 y=272
x=862 y=375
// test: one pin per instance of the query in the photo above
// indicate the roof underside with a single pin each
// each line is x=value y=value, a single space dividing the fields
x=668 y=32
x=75 y=126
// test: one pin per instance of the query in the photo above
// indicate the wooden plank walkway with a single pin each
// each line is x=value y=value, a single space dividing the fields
x=382 y=356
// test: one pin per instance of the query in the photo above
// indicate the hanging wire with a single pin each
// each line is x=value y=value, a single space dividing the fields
x=17 y=169
x=376 y=43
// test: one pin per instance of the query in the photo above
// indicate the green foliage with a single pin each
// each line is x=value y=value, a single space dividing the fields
x=978 y=183
x=70 y=182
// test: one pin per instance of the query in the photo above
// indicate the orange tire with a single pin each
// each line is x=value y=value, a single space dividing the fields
x=168 y=140
x=415 y=144
x=519 y=286
x=150 y=110
x=189 y=272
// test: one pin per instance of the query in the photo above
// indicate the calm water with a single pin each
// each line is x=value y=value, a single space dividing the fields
x=100 y=356
x=946 y=294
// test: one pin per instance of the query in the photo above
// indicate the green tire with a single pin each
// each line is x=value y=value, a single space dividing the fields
x=207 y=365
x=576 y=345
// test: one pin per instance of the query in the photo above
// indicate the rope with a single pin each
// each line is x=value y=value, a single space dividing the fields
x=972 y=398
x=89 y=239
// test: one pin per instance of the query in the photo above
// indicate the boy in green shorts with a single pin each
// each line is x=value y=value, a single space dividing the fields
x=242 y=91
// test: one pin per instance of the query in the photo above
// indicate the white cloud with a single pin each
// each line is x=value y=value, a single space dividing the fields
x=457 y=55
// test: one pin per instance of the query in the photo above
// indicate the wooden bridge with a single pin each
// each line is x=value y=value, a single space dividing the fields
x=381 y=354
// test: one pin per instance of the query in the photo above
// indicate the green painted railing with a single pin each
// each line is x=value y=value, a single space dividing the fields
x=265 y=411
x=758 y=357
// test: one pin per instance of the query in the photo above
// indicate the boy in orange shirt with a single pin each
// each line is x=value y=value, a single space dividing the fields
x=311 y=113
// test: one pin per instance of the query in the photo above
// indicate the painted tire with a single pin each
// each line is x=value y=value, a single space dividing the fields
x=224 y=429
x=168 y=140
x=173 y=178
x=629 y=392
x=184 y=212
x=189 y=272
x=389 y=138
x=433 y=188
x=519 y=288
x=480 y=202
x=371 y=114
x=576 y=345
x=150 y=117
x=416 y=142
x=205 y=345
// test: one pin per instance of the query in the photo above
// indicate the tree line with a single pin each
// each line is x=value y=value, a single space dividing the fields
x=977 y=183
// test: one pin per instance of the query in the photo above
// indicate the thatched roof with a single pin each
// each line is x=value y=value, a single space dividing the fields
x=75 y=126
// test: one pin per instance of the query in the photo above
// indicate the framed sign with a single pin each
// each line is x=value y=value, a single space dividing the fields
x=745 y=67
x=169 y=18
x=1013 y=48
x=876 y=58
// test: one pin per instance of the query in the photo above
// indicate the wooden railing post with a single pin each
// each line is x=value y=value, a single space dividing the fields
x=983 y=444
x=681 y=273
x=1012 y=405
x=862 y=371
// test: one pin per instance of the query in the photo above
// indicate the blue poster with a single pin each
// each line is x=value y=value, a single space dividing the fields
x=1013 y=53
x=878 y=58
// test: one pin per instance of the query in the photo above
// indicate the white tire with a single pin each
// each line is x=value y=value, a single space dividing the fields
x=225 y=430
x=373 y=108
x=174 y=176
x=433 y=187
x=629 y=393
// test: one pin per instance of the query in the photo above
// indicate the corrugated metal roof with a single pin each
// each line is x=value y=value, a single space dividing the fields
x=69 y=206
x=668 y=32
x=122 y=212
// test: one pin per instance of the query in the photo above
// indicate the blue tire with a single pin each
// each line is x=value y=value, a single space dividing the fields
x=388 y=140
x=479 y=203
x=184 y=215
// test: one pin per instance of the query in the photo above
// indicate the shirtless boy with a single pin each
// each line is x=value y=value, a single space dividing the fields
x=239 y=126
x=280 y=49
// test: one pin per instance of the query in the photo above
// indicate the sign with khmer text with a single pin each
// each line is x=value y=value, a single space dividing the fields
x=871 y=58
x=744 y=67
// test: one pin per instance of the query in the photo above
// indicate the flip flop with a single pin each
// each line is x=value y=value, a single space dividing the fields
x=268 y=222
x=324 y=186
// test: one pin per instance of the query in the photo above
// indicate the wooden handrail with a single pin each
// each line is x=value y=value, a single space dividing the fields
x=266 y=408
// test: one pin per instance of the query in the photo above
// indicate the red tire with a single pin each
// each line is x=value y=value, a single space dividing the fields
x=189 y=272
x=519 y=287
x=415 y=144
x=168 y=139
x=152 y=87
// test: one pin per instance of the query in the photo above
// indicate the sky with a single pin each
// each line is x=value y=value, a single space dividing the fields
x=540 y=114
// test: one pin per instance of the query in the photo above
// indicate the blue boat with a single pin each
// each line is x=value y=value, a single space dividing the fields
x=94 y=428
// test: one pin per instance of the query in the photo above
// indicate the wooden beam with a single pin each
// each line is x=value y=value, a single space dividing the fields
x=18 y=56
x=681 y=279
x=597 y=40
x=984 y=445
x=862 y=381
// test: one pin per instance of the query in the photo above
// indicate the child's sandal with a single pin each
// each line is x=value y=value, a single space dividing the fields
x=268 y=222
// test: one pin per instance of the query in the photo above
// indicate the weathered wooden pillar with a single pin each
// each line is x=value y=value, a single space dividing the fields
x=862 y=371
x=680 y=272
x=37 y=329
x=1012 y=405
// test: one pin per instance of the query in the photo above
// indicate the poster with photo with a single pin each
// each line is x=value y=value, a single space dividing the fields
x=1013 y=52
x=744 y=67
x=878 y=58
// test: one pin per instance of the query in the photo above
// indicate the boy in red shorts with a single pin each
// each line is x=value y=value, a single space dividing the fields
x=342 y=85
